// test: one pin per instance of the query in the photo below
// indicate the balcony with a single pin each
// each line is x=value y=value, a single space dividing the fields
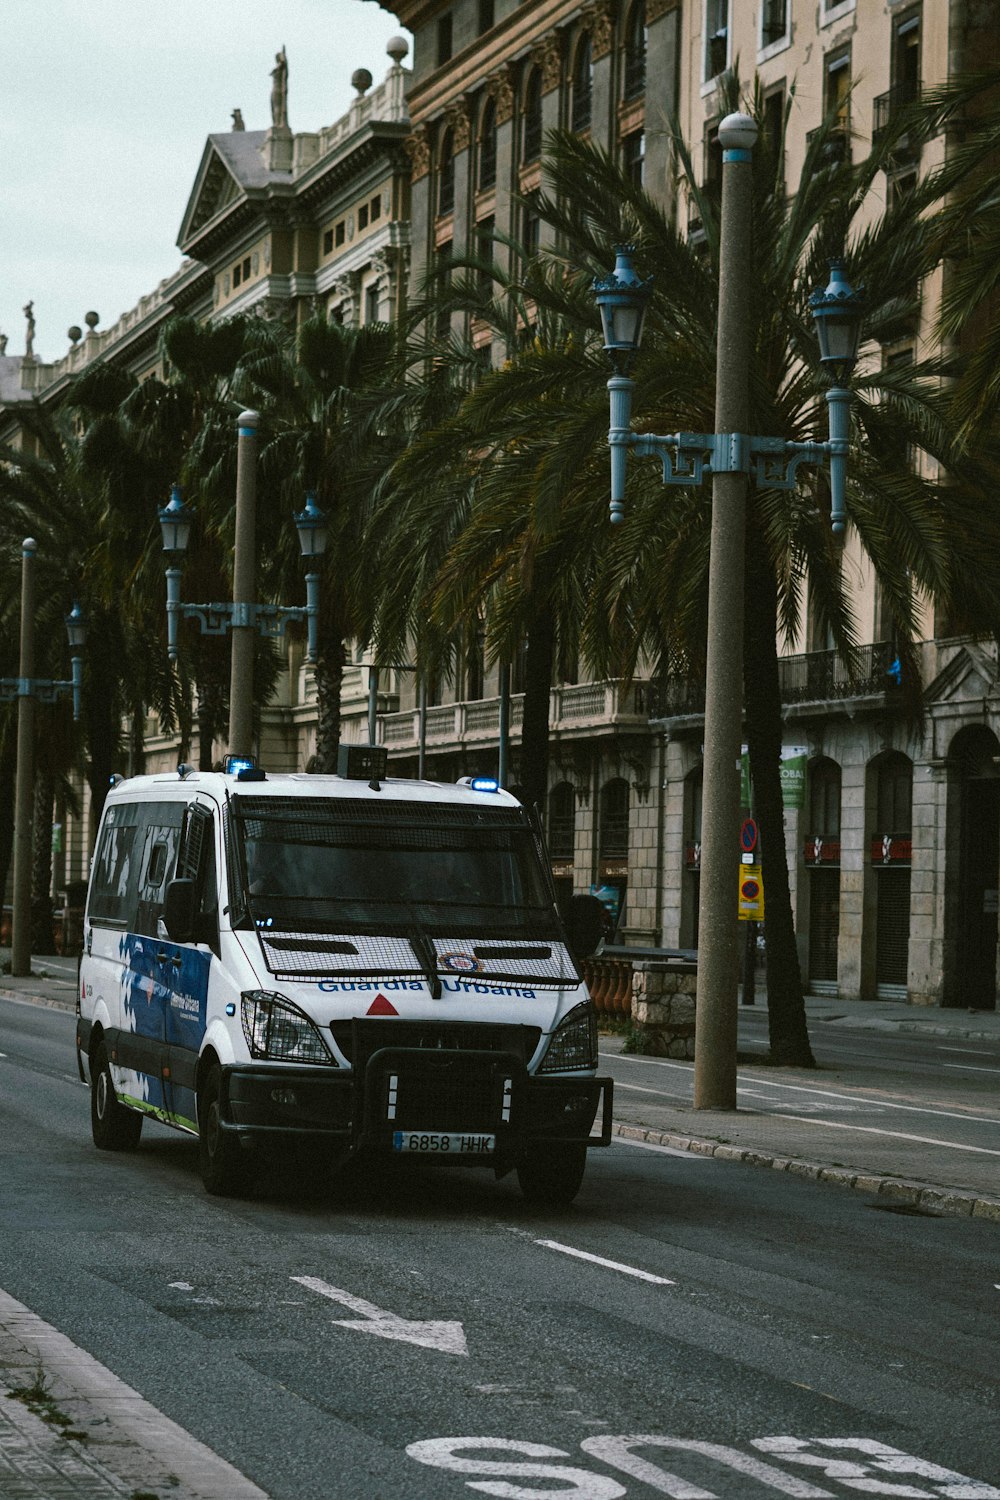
x=574 y=711
x=815 y=677
x=886 y=108
x=837 y=145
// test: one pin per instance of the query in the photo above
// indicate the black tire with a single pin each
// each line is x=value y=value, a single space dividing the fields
x=113 y=1127
x=552 y=1174
x=225 y=1170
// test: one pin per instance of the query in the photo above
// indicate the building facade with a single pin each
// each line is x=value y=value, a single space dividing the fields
x=894 y=841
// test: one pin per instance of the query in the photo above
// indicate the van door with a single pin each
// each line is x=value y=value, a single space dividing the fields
x=191 y=965
x=150 y=963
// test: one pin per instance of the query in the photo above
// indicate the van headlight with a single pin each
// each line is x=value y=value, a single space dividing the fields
x=278 y=1030
x=574 y=1042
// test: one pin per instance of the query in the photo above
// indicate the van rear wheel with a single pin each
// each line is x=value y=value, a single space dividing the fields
x=552 y=1173
x=224 y=1168
x=113 y=1127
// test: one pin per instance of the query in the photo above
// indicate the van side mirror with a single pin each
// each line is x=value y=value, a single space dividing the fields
x=584 y=921
x=179 y=910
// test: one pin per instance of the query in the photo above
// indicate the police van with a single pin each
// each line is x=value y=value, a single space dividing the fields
x=346 y=963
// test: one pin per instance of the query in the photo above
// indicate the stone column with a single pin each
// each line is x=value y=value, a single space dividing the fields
x=663 y=1006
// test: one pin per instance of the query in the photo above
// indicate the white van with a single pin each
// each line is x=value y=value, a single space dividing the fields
x=348 y=962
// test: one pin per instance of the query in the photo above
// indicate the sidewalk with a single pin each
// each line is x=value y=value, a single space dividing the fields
x=880 y=1146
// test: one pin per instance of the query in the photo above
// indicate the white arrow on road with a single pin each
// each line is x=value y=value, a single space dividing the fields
x=446 y=1337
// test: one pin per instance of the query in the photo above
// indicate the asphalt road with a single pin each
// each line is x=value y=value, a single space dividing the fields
x=690 y=1327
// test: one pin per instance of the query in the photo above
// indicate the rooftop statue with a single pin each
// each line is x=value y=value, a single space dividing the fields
x=279 y=91
x=29 y=337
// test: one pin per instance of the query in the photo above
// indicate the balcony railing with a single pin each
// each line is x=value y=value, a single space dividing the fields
x=887 y=106
x=816 y=676
x=837 y=147
x=571 y=707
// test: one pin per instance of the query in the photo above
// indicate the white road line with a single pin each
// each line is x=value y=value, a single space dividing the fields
x=639 y=1088
x=799 y=1088
x=623 y=1140
x=969 y=1068
x=610 y=1265
x=899 y=1135
x=970 y=1051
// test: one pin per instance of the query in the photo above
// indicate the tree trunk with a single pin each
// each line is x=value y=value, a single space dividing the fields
x=330 y=662
x=533 y=767
x=786 y=1011
x=102 y=711
x=41 y=865
x=8 y=768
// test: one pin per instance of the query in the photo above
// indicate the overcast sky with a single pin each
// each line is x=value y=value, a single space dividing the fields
x=104 y=110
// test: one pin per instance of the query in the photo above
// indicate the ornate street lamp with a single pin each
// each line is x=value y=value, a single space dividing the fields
x=730 y=455
x=243 y=617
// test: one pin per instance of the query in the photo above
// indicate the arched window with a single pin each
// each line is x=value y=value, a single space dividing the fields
x=531 y=121
x=446 y=174
x=582 y=84
x=562 y=820
x=613 y=823
x=635 y=51
x=486 y=171
x=894 y=796
x=824 y=799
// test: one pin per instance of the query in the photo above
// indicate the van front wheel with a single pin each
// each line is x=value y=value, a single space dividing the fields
x=223 y=1166
x=552 y=1174
x=113 y=1127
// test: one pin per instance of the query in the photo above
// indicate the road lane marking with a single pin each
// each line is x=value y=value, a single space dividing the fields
x=799 y=1088
x=898 y=1135
x=640 y=1088
x=969 y=1068
x=609 y=1265
x=444 y=1336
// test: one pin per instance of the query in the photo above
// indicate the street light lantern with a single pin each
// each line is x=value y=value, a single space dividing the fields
x=838 y=312
x=310 y=523
x=76 y=629
x=175 y=522
x=622 y=298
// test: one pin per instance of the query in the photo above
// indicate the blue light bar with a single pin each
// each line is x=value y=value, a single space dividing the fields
x=484 y=784
x=234 y=764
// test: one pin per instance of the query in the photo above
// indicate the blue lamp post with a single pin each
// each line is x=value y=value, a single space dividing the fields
x=243 y=617
x=730 y=455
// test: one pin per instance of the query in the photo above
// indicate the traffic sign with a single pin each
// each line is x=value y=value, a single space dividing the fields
x=748 y=835
x=751 y=900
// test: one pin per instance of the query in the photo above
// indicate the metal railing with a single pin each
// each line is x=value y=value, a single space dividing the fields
x=815 y=676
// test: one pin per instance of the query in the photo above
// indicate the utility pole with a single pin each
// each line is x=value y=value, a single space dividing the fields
x=244 y=588
x=718 y=956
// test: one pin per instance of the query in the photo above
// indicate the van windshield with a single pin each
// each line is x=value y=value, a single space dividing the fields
x=345 y=866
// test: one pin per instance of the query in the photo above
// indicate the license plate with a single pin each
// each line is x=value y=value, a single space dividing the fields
x=438 y=1143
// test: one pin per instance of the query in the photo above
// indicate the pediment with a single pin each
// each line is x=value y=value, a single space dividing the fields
x=970 y=674
x=230 y=165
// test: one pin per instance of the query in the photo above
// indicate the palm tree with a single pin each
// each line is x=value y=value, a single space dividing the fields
x=330 y=408
x=646 y=591
x=918 y=545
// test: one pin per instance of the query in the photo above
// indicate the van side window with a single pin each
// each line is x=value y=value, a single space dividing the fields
x=115 y=879
x=160 y=838
x=196 y=861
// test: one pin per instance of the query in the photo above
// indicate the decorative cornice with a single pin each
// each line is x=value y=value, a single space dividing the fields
x=547 y=56
x=500 y=87
x=460 y=125
x=418 y=146
x=601 y=21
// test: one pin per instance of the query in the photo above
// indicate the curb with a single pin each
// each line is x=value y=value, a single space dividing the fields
x=894 y=1190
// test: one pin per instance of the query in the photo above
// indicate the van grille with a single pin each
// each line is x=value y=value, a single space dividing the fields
x=358 y=1039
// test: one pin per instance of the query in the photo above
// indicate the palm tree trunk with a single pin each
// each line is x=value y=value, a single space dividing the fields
x=330 y=662
x=786 y=1013
x=8 y=769
x=534 y=762
x=41 y=865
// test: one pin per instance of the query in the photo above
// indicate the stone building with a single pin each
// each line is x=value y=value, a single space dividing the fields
x=895 y=870
x=895 y=850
